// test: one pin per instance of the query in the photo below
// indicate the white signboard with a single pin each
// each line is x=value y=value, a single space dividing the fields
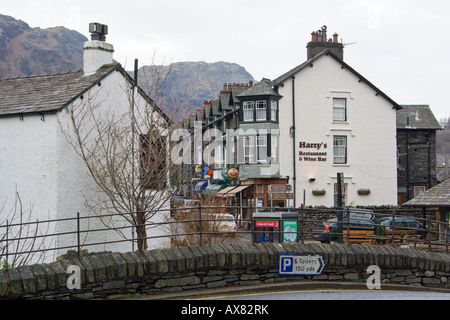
x=300 y=265
x=360 y=214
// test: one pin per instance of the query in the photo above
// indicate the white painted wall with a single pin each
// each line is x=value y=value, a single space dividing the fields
x=51 y=177
x=370 y=131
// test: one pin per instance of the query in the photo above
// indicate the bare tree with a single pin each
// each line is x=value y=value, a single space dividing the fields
x=189 y=230
x=22 y=240
x=126 y=152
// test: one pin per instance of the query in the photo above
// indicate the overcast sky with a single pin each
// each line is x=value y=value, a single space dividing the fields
x=401 y=46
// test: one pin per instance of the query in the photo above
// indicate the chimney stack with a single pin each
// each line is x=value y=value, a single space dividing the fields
x=97 y=52
x=319 y=43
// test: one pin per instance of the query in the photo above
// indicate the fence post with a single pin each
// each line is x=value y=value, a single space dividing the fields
x=348 y=225
x=7 y=242
x=78 y=236
x=393 y=227
x=302 y=224
x=430 y=234
x=446 y=236
x=200 y=221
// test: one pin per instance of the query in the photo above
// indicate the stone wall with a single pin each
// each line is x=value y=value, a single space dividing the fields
x=212 y=266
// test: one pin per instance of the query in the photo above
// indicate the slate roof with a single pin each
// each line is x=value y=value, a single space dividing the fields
x=438 y=196
x=420 y=117
x=262 y=88
x=53 y=92
x=46 y=93
x=309 y=63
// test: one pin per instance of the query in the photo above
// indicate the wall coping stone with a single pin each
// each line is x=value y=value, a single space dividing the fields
x=216 y=265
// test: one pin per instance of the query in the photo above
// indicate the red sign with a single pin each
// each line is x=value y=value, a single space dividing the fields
x=266 y=224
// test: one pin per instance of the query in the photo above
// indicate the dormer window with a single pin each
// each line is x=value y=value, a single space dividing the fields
x=259 y=103
x=249 y=107
x=261 y=110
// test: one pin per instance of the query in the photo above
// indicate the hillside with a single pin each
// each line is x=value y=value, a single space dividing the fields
x=194 y=82
x=25 y=50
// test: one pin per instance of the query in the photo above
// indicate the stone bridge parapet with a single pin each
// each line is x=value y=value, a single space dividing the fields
x=217 y=265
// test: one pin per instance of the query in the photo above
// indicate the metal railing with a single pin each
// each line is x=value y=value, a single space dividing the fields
x=195 y=225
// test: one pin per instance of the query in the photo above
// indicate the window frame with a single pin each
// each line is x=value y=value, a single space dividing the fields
x=153 y=160
x=248 y=108
x=344 y=147
x=261 y=149
x=273 y=110
x=249 y=149
x=417 y=192
x=261 y=110
x=340 y=112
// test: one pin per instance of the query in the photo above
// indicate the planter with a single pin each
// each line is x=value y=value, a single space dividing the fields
x=363 y=192
x=319 y=192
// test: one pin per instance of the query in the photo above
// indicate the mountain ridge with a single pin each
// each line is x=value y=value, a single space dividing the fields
x=28 y=51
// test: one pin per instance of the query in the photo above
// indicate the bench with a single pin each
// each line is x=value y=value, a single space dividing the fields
x=400 y=235
x=397 y=236
x=357 y=236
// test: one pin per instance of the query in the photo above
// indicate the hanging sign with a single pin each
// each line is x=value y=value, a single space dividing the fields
x=233 y=173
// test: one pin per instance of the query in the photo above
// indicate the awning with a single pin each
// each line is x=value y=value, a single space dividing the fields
x=233 y=192
x=213 y=189
x=222 y=193
x=200 y=187
x=230 y=191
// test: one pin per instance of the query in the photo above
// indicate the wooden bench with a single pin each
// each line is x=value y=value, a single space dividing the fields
x=357 y=236
x=399 y=235
x=396 y=236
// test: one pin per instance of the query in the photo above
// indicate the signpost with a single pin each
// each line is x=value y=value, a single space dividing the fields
x=280 y=192
x=300 y=265
x=280 y=188
x=281 y=196
x=359 y=214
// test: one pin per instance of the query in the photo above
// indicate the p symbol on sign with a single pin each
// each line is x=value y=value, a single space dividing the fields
x=287 y=264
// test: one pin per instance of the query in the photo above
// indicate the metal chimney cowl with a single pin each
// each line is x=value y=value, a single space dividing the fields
x=97 y=52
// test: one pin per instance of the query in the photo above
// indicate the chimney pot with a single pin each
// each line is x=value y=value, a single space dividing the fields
x=320 y=42
x=97 y=52
x=335 y=37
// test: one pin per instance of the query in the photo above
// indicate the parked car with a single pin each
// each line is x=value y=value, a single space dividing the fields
x=189 y=205
x=175 y=202
x=324 y=232
x=226 y=222
x=405 y=223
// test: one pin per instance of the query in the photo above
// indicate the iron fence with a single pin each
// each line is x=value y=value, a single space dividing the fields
x=206 y=224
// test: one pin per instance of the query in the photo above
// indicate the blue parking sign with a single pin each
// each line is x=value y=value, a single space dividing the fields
x=286 y=264
x=300 y=265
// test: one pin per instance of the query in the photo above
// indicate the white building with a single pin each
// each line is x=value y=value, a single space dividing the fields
x=35 y=156
x=332 y=120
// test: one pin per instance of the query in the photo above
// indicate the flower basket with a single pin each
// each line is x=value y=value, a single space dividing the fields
x=319 y=192
x=363 y=192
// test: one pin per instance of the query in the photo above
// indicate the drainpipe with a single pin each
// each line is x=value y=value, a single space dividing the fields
x=427 y=135
x=408 y=184
x=294 y=176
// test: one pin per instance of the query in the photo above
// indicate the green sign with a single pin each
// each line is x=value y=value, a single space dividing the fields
x=290 y=231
